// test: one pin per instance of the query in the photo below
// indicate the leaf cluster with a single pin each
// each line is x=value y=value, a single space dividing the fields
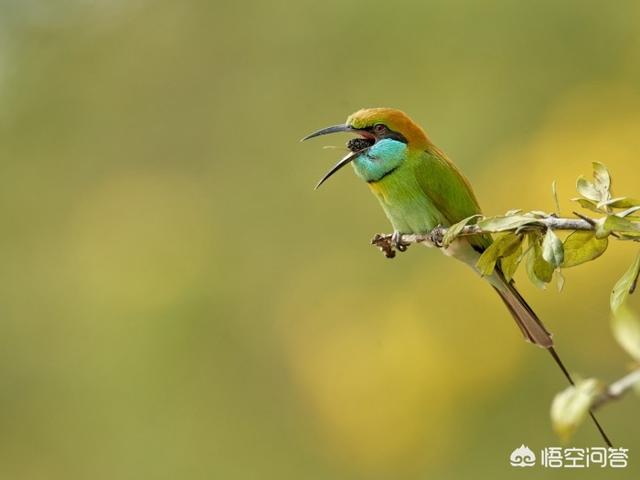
x=529 y=238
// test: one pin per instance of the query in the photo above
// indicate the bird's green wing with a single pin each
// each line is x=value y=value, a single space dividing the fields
x=449 y=190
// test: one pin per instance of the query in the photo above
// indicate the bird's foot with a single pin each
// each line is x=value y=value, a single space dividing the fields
x=437 y=236
x=398 y=244
x=388 y=244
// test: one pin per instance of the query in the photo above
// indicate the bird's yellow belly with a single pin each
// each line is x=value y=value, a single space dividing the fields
x=408 y=209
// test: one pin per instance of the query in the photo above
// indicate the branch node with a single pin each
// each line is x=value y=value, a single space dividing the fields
x=590 y=221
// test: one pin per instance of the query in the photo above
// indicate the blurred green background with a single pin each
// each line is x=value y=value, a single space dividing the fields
x=177 y=301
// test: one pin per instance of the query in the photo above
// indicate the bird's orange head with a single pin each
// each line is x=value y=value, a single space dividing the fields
x=388 y=123
x=375 y=125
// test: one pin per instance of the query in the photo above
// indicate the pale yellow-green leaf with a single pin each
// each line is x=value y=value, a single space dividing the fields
x=552 y=251
x=629 y=211
x=613 y=223
x=626 y=330
x=454 y=230
x=503 y=245
x=588 y=190
x=500 y=224
x=602 y=180
x=611 y=202
x=559 y=279
x=509 y=263
x=515 y=211
x=571 y=406
x=540 y=272
x=588 y=204
x=625 y=285
x=635 y=237
x=623 y=202
x=537 y=214
x=581 y=247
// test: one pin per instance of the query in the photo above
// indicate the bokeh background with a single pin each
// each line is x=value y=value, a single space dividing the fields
x=177 y=301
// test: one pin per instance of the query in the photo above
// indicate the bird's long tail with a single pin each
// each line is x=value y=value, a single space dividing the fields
x=533 y=329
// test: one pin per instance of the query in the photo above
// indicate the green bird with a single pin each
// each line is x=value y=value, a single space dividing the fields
x=419 y=189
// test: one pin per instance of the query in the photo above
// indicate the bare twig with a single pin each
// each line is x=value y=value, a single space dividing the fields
x=617 y=389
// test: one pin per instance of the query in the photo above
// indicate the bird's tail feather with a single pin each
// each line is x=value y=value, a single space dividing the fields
x=534 y=330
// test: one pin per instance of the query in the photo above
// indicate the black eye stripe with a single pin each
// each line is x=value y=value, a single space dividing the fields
x=396 y=136
x=388 y=134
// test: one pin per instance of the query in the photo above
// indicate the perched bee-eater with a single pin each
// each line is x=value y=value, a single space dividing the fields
x=419 y=189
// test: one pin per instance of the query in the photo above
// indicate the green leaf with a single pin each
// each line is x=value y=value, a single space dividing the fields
x=613 y=223
x=581 y=247
x=540 y=272
x=509 y=263
x=588 y=190
x=623 y=202
x=626 y=330
x=588 y=204
x=500 y=224
x=503 y=245
x=614 y=203
x=634 y=237
x=454 y=230
x=625 y=285
x=619 y=224
x=552 y=250
x=571 y=406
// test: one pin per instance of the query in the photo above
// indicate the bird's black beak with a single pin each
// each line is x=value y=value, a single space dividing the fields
x=338 y=166
x=328 y=130
x=351 y=156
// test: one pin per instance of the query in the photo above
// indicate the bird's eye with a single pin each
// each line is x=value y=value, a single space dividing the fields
x=379 y=128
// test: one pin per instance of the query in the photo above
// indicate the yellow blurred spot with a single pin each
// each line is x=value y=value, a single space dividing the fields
x=379 y=388
x=389 y=381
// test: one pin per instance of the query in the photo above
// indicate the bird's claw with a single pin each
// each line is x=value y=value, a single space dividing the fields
x=437 y=236
x=388 y=244
x=398 y=244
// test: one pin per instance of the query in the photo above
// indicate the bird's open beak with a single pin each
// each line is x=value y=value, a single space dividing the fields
x=338 y=166
x=328 y=130
x=345 y=160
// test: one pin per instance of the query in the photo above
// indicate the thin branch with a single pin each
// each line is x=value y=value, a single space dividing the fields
x=387 y=245
x=617 y=389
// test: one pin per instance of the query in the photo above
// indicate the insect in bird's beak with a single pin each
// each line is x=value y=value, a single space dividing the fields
x=357 y=146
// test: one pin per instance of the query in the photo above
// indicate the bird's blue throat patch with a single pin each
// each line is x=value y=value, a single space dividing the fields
x=380 y=160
